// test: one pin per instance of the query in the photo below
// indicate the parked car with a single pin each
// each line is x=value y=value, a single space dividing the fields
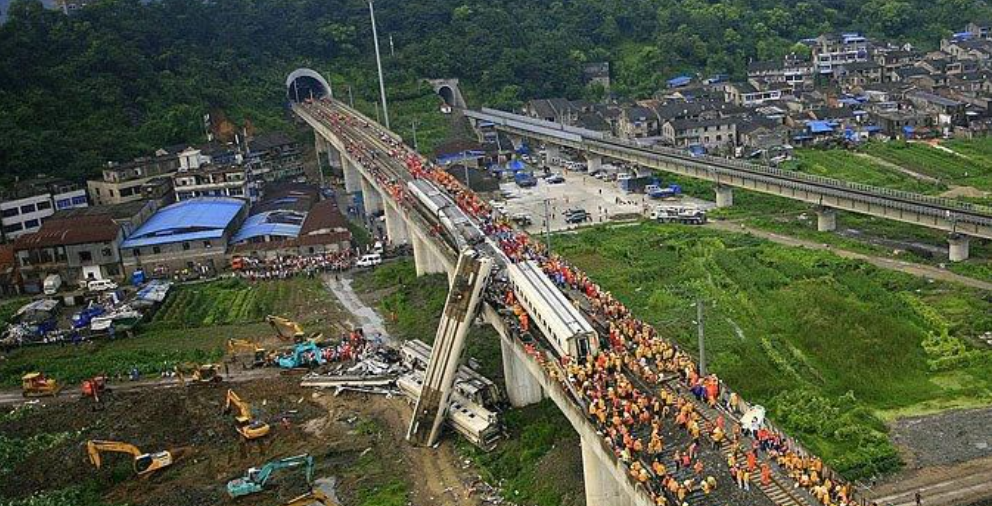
x=101 y=285
x=369 y=260
x=555 y=179
x=576 y=215
x=522 y=219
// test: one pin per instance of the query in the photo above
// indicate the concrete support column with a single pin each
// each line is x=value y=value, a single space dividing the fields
x=724 y=196
x=352 y=177
x=826 y=219
x=334 y=158
x=517 y=141
x=371 y=198
x=396 y=226
x=521 y=387
x=601 y=486
x=424 y=258
x=553 y=151
x=594 y=163
x=958 y=250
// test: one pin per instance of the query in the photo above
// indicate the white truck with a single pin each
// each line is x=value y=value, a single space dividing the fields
x=52 y=284
x=679 y=214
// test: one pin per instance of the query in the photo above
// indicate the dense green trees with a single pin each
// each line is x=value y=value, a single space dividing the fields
x=121 y=78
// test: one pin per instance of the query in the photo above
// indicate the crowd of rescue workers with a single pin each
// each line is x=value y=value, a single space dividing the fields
x=609 y=384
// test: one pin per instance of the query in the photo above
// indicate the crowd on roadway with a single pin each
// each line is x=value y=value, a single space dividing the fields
x=640 y=385
x=289 y=266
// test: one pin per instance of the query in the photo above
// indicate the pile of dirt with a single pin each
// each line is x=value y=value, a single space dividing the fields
x=190 y=419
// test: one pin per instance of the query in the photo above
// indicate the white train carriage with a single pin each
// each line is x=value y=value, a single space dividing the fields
x=469 y=383
x=475 y=423
x=455 y=222
x=560 y=322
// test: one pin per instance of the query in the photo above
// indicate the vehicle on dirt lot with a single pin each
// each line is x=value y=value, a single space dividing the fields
x=285 y=328
x=522 y=219
x=555 y=179
x=258 y=353
x=369 y=260
x=100 y=285
x=144 y=463
x=95 y=387
x=198 y=374
x=679 y=214
x=576 y=215
x=36 y=384
x=255 y=479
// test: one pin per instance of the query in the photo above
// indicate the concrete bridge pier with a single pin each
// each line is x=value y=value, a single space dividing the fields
x=517 y=141
x=601 y=487
x=424 y=258
x=826 y=219
x=959 y=247
x=594 y=163
x=396 y=227
x=521 y=387
x=552 y=151
x=371 y=198
x=352 y=177
x=724 y=196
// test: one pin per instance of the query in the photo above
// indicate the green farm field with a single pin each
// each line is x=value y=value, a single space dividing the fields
x=970 y=164
x=850 y=166
x=831 y=347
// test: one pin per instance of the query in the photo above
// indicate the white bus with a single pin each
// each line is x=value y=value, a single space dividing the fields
x=561 y=323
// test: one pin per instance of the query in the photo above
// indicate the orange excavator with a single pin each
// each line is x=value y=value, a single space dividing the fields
x=95 y=387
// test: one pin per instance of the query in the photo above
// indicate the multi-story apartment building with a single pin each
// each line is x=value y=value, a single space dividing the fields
x=121 y=183
x=24 y=206
x=831 y=49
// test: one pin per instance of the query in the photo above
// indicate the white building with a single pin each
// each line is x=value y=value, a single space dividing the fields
x=24 y=207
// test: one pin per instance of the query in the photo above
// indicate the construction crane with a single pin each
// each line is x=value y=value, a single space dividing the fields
x=198 y=373
x=255 y=479
x=258 y=352
x=36 y=384
x=144 y=463
x=314 y=496
x=249 y=427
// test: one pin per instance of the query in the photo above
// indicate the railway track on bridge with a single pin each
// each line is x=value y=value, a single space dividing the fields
x=778 y=491
x=945 y=214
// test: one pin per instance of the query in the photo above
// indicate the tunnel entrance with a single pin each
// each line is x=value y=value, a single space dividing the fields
x=447 y=94
x=303 y=84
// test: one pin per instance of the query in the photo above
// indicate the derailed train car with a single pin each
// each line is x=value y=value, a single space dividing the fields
x=456 y=226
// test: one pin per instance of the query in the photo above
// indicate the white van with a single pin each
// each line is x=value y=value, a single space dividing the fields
x=369 y=260
x=52 y=284
x=99 y=285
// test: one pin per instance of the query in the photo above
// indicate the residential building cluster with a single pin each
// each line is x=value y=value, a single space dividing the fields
x=184 y=211
x=844 y=88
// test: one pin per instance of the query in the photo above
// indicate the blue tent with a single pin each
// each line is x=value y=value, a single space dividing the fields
x=820 y=127
x=515 y=165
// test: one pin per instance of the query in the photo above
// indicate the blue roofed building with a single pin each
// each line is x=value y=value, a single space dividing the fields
x=191 y=235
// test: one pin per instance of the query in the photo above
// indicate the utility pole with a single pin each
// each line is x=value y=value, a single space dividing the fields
x=351 y=98
x=701 y=331
x=378 y=63
x=320 y=167
x=468 y=183
x=416 y=147
x=392 y=48
x=547 y=225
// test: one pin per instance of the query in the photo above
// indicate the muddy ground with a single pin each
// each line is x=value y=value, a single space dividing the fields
x=945 y=439
x=356 y=439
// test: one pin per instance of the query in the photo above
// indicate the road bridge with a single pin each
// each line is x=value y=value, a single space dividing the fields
x=961 y=220
x=376 y=161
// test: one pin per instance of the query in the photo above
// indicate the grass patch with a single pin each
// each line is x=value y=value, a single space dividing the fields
x=151 y=352
x=9 y=307
x=848 y=166
x=798 y=331
x=73 y=496
x=534 y=431
x=972 y=168
x=234 y=300
x=411 y=305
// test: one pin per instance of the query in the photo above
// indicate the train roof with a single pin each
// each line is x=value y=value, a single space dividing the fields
x=552 y=298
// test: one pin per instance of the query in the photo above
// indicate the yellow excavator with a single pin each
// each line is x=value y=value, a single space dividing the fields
x=144 y=463
x=258 y=353
x=286 y=329
x=36 y=384
x=309 y=498
x=198 y=373
x=249 y=427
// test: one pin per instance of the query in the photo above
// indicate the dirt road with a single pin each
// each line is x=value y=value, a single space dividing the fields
x=71 y=392
x=925 y=271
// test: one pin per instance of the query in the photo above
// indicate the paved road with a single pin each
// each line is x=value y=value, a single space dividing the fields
x=925 y=271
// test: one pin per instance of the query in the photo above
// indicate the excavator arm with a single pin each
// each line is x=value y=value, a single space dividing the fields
x=285 y=328
x=144 y=463
x=314 y=496
x=255 y=479
x=243 y=414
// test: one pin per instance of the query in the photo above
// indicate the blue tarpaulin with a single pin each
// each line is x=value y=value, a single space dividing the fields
x=820 y=127
x=679 y=81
